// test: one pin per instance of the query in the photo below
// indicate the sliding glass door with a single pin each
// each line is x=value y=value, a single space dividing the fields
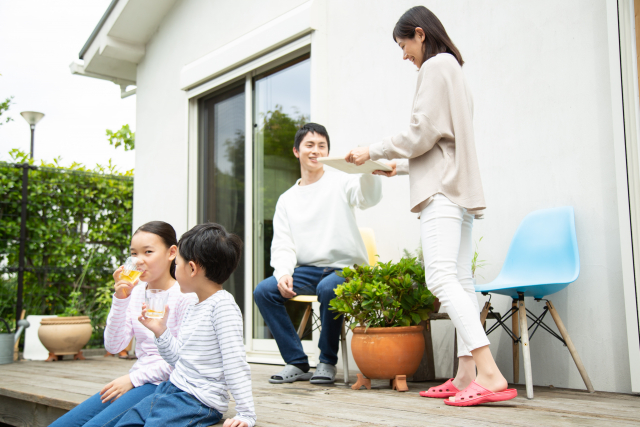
x=279 y=101
x=223 y=170
x=281 y=106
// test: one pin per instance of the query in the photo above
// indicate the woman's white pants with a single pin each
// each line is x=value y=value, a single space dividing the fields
x=447 y=246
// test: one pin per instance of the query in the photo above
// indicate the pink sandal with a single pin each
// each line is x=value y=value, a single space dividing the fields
x=443 y=390
x=475 y=394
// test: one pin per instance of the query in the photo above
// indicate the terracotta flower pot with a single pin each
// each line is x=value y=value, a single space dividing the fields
x=383 y=353
x=65 y=335
x=436 y=306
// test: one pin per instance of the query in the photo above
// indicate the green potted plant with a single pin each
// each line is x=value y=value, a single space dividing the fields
x=384 y=306
x=70 y=331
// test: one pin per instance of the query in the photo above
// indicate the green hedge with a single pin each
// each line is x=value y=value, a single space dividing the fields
x=73 y=212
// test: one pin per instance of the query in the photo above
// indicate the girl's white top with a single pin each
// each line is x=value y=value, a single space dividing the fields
x=209 y=356
x=123 y=325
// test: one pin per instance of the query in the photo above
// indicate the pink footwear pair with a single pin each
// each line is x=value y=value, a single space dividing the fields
x=473 y=395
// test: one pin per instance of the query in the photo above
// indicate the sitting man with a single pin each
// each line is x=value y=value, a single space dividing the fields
x=314 y=234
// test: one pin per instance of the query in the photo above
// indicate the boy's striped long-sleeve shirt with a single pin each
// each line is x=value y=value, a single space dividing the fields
x=209 y=356
x=123 y=324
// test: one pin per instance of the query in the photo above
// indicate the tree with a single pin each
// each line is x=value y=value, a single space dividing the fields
x=279 y=130
x=4 y=107
x=123 y=137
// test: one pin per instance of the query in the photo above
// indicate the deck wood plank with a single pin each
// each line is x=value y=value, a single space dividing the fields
x=35 y=393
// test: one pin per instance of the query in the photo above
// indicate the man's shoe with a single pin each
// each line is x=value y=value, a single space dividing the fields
x=290 y=374
x=324 y=374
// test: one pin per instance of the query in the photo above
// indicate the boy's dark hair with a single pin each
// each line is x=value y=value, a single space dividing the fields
x=166 y=233
x=211 y=247
x=436 y=41
x=310 y=127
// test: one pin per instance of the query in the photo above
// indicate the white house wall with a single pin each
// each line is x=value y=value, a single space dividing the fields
x=539 y=72
x=190 y=30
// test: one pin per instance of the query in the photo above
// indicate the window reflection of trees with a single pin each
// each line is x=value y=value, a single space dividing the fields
x=281 y=171
x=281 y=167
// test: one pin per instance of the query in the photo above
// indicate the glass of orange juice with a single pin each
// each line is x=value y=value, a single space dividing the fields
x=131 y=271
x=155 y=299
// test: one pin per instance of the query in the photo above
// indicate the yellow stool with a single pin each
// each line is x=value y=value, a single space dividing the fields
x=370 y=243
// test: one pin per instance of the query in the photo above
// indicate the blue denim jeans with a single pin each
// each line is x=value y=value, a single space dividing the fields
x=307 y=280
x=170 y=407
x=93 y=413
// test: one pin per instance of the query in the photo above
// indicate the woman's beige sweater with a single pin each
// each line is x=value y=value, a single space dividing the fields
x=439 y=143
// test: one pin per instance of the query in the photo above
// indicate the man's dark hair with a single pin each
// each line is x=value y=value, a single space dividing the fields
x=212 y=248
x=311 y=127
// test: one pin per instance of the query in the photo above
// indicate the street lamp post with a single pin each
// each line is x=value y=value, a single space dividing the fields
x=32 y=117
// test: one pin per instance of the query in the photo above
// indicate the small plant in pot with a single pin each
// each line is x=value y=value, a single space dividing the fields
x=384 y=305
x=70 y=331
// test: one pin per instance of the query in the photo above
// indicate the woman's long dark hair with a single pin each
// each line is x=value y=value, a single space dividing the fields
x=436 y=41
x=166 y=233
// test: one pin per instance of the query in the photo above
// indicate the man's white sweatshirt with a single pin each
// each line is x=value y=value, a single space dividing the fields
x=316 y=224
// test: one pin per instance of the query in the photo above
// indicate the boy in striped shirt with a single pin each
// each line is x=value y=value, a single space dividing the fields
x=208 y=355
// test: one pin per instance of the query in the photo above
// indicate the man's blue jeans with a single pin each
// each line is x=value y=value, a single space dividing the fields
x=93 y=413
x=307 y=280
x=170 y=407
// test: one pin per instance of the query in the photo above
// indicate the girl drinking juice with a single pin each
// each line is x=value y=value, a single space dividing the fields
x=154 y=246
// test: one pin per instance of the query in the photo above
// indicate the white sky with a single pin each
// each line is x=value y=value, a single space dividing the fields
x=38 y=41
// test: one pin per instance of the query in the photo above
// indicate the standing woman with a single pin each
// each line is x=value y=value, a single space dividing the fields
x=447 y=192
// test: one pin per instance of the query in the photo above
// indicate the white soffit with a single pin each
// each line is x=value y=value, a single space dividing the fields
x=118 y=43
x=278 y=32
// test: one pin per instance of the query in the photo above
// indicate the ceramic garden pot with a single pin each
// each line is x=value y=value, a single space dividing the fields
x=383 y=353
x=436 y=306
x=65 y=335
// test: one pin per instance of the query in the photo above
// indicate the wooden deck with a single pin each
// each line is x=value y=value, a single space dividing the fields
x=36 y=393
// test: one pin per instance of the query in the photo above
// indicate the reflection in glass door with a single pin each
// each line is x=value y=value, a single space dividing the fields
x=222 y=136
x=281 y=107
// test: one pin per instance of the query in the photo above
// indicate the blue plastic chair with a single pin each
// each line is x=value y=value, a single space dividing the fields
x=543 y=259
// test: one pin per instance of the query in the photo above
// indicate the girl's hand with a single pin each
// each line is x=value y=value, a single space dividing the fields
x=389 y=174
x=233 y=422
x=157 y=326
x=123 y=287
x=116 y=388
x=358 y=156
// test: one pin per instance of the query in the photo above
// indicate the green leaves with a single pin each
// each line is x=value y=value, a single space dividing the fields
x=123 y=137
x=4 y=107
x=72 y=213
x=477 y=264
x=385 y=295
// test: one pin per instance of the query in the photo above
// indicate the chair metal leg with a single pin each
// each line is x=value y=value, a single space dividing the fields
x=524 y=339
x=516 y=345
x=345 y=353
x=484 y=313
x=305 y=319
x=570 y=346
x=455 y=353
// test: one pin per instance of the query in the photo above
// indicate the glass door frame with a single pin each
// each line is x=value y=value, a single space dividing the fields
x=259 y=229
x=259 y=351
